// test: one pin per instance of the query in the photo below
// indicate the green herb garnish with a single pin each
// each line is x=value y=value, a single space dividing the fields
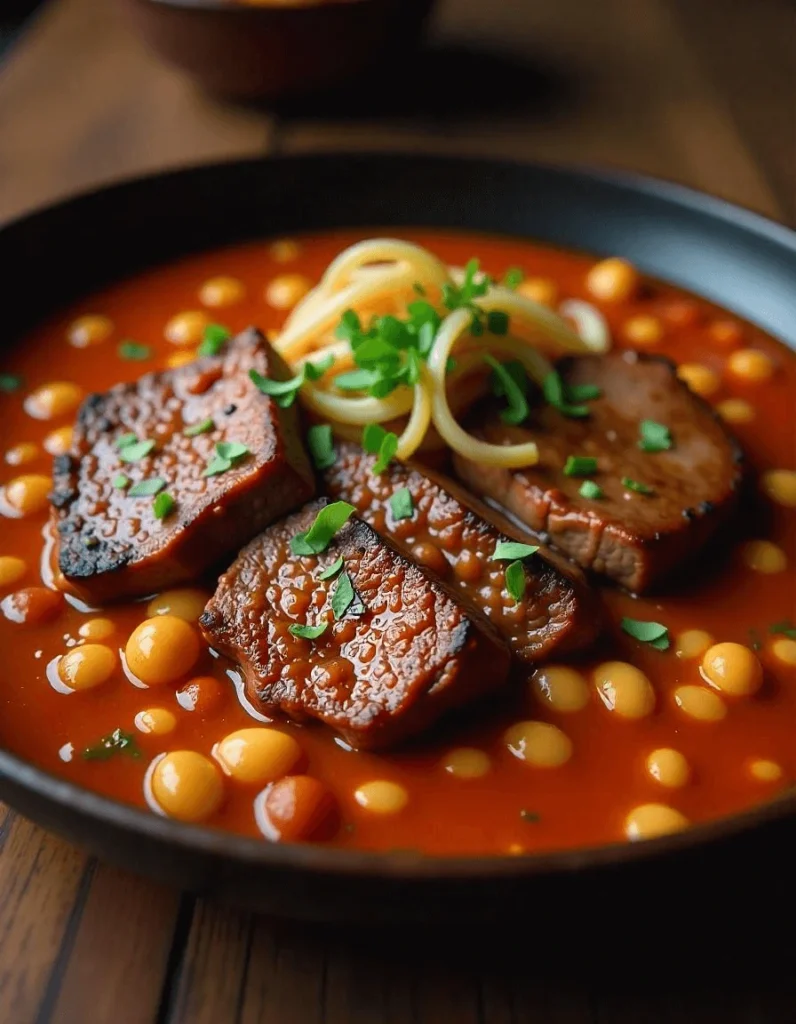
x=163 y=505
x=10 y=382
x=227 y=454
x=589 y=489
x=125 y=440
x=505 y=382
x=654 y=437
x=506 y=549
x=653 y=633
x=305 y=632
x=401 y=504
x=321 y=445
x=202 y=427
x=582 y=392
x=513 y=278
x=345 y=598
x=515 y=580
x=328 y=521
x=497 y=322
x=284 y=392
x=132 y=350
x=146 y=488
x=117 y=742
x=580 y=465
x=134 y=450
x=121 y=481
x=785 y=628
x=557 y=395
x=377 y=440
x=215 y=338
x=635 y=485
x=332 y=570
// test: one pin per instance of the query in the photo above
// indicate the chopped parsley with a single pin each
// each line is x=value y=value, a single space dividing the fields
x=510 y=381
x=10 y=382
x=284 y=392
x=509 y=549
x=125 y=440
x=560 y=397
x=590 y=490
x=163 y=505
x=202 y=427
x=305 y=632
x=331 y=570
x=215 y=338
x=636 y=486
x=381 y=442
x=121 y=481
x=401 y=504
x=474 y=286
x=227 y=454
x=146 y=488
x=653 y=633
x=328 y=521
x=515 y=580
x=321 y=445
x=134 y=351
x=654 y=437
x=345 y=598
x=580 y=465
x=785 y=628
x=132 y=451
x=513 y=278
x=117 y=742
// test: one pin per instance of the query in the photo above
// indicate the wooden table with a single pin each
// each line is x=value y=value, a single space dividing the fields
x=700 y=91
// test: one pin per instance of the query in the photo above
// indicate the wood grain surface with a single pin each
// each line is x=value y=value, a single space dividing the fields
x=698 y=91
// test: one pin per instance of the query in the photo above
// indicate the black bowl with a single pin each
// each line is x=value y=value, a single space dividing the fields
x=733 y=257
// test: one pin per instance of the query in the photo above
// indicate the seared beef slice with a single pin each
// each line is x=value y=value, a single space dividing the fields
x=634 y=538
x=558 y=613
x=111 y=545
x=397 y=659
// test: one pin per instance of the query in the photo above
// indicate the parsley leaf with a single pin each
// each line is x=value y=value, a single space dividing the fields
x=513 y=278
x=583 y=392
x=10 y=382
x=284 y=392
x=377 y=440
x=202 y=427
x=328 y=521
x=580 y=465
x=331 y=570
x=654 y=437
x=117 y=742
x=214 y=339
x=401 y=504
x=227 y=453
x=556 y=395
x=504 y=381
x=505 y=549
x=785 y=628
x=357 y=380
x=146 y=488
x=121 y=481
x=515 y=580
x=163 y=505
x=345 y=598
x=635 y=485
x=135 y=450
x=590 y=490
x=125 y=440
x=305 y=632
x=653 y=633
x=132 y=350
x=321 y=445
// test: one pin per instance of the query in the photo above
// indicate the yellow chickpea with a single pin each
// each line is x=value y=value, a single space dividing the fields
x=763 y=556
x=221 y=291
x=466 y=763
x=22 y=453
x=187 y=604
x=700 y=379
x=563 y=688
x=162 y=650
x=650 y=820
x=539 y=289
x=785 y=651
x=97 y=629
x=733 y=669
x=28 y=495
x=284 y=250
x=186 y=328
x=735 y=410
x=612 y=280
x=285 y=291
x=51 y=401
x=692 y=643
x=381 y=796
x=58 y=442
x=624 y=689
x=187 y=786
x=780 y=486
x=12 y=569
x=156 y=721
x=89 y=330
x=701 y=704
x=87 y=666
x=668 y=767
x=257 y=756
x=539 y=744
x=725 y=332
x=642 y=330
x=750 y=365
x=765 y=771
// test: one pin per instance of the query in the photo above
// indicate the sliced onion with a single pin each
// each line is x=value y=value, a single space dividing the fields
x=590 y=323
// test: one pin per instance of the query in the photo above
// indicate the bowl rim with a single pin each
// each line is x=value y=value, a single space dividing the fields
x=402 y=864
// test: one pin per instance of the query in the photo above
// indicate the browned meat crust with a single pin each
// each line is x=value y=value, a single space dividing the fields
x=633 y=538
x=384 y=671
x=557 y=615
x=111 y=545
